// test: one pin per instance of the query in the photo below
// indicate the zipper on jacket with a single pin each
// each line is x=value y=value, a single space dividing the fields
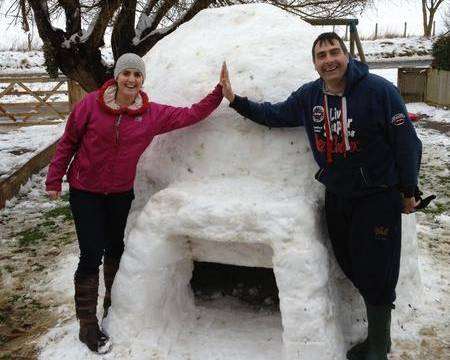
x=319 y=173
x=116 y=128
x=363 y=176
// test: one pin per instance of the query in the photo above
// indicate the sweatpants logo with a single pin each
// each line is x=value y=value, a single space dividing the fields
x=381 y=231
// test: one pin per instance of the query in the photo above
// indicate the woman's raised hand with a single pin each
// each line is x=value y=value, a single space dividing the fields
x=227 y=91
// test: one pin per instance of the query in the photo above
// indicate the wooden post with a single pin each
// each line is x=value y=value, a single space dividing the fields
x=376 y=31
x=352 y=44
x=362 y=57
x=404 y=31
x=10 y=186
x=346 y=33
x=434 y=28
x=75 y=92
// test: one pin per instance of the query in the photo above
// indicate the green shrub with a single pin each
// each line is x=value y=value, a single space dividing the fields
x=441 y=53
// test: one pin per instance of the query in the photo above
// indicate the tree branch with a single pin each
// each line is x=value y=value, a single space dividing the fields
x=101 y=21
x=73 y=16
x=45 y=28
x=163 y=9
x=143 y=45
x=123 y=30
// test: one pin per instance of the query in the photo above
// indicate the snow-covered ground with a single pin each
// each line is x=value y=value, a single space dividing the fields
x=22 y=62
x=42 y=271
x=235 y=330
x=242 y=332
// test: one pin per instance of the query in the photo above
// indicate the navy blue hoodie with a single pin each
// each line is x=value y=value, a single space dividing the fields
x=363 y=141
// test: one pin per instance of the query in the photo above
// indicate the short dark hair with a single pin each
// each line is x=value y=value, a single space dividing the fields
x=328 y=37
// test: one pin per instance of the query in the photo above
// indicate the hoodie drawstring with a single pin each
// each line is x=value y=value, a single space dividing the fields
x=328 y=132
x=327 y=126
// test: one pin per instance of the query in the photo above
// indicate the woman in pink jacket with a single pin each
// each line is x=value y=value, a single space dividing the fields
x=105 y=135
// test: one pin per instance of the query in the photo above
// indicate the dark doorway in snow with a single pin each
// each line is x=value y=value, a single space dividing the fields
x=253 y=285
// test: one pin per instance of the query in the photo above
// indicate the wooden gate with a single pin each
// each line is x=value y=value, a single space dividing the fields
x=39 y=106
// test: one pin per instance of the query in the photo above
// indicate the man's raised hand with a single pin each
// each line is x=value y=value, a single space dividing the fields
x=227 y=91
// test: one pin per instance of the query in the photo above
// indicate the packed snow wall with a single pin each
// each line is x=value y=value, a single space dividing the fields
x=228 y=190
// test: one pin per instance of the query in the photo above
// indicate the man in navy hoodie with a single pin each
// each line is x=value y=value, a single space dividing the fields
x=369 y=158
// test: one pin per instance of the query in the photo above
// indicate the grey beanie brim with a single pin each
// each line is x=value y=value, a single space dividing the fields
x=129 y=61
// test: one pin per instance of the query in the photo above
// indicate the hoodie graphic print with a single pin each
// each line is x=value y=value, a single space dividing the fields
x=333 y=130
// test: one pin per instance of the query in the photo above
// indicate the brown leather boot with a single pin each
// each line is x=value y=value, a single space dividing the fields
x=86 y=294
x=110 y=267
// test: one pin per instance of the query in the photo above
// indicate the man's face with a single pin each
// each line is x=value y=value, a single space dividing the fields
x=330 y=61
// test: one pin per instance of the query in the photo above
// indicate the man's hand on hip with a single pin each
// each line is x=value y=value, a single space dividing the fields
x=409 y=205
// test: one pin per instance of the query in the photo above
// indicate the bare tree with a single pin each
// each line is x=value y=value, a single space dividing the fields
x=447 y=20
x=429 y=8
x=76 y=49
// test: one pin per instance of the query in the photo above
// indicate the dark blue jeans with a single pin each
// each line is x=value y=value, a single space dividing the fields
x=365 y=233
x=100 y=222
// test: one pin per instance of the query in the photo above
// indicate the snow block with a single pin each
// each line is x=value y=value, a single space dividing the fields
x=228 y=190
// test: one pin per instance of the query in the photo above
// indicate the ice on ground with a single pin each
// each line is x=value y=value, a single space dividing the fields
x=228 y=190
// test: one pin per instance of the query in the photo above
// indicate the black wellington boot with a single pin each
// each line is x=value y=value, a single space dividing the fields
x=378 y=342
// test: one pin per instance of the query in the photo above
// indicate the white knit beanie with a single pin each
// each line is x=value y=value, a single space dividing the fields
x=129 y=61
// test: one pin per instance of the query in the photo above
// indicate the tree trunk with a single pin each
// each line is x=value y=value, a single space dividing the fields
x=85 y=66
x=424 y=17
x=430 y=22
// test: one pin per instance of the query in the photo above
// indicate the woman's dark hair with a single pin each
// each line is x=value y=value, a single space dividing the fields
x=328 y=37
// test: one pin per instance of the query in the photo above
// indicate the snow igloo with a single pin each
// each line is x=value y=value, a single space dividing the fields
x=229 y=191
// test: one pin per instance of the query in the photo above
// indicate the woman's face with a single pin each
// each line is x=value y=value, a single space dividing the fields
x=129 y=82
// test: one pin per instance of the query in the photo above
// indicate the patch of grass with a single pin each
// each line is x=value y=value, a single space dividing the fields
x=37 y=305
x=9 y=268
x=3 y=318
x=30 y=236
x=49 y=224
x=65 y=239
x=14 y=298
x=437 y=209
x=3 y=340
x=38 y=267
x=59 y=211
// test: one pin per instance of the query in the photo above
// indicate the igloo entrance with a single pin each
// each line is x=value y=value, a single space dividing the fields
x=252 y=285
x=242 y=221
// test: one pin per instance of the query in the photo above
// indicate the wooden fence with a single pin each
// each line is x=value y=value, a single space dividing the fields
x=425 y=84
x=438 y=87
x=41 y=90
x=412 y=83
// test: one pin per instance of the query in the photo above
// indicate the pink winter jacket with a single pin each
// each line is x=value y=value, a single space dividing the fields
x=106 y=144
